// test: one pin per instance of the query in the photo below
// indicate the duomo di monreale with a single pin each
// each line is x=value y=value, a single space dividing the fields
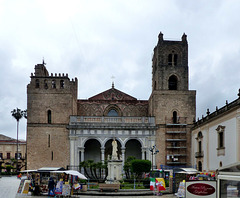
x=63 y=130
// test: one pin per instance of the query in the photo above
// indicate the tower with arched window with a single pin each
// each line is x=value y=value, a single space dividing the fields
x=171 y=102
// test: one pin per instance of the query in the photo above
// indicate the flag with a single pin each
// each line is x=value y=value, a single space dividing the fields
x=152 y=183
x=160 y=183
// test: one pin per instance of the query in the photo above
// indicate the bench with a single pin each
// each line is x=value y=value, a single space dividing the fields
x=114 y=187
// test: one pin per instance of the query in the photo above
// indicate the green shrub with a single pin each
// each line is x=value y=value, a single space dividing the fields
x=140 y=166
x=9 y=168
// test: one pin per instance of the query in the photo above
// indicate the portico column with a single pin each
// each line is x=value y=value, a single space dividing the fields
x=82 y=154
x=123 y=155
x=72 y=150
x=143 y=153
x=102 y=154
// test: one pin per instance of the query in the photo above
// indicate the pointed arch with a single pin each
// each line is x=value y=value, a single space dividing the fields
x=173 y=82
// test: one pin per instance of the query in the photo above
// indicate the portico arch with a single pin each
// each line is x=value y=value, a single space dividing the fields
x=92 y=150
x=108 y=148
x=133 y=148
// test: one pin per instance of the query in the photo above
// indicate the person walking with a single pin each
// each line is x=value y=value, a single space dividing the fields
x=51 y=187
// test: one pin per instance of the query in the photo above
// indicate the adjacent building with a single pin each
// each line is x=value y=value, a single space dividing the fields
x=63 y=130
x=216 y=138
x=8 y=152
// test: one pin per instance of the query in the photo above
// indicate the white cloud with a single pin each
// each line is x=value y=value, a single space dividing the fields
x=93 y=40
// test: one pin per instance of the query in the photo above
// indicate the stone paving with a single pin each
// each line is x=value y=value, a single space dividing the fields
x=9 y=186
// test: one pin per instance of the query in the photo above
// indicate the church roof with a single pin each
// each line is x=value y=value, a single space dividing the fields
x=113 y=94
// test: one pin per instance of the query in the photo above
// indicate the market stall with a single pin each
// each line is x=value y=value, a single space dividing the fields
x=228 y=181
x=37 y=182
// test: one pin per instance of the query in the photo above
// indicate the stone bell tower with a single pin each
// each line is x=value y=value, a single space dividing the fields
x=172 y=103
x=51 y=99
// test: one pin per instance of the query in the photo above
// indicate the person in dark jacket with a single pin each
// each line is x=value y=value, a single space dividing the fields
x=51 y=186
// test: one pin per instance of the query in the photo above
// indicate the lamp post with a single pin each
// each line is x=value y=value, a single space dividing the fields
x=18 y=114
x=154 y=151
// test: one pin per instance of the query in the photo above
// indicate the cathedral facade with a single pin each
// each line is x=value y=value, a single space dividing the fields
x=63 y=130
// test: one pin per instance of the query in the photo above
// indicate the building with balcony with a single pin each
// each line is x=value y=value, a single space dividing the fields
x=8 y=152
x=216 y=138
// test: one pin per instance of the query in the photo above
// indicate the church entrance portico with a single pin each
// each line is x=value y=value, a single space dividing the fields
x=93 y=140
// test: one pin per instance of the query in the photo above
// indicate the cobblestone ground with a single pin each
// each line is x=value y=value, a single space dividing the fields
x=9 y=187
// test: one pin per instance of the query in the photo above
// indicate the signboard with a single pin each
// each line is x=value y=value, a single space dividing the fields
x=21 y=186
x=205 y=189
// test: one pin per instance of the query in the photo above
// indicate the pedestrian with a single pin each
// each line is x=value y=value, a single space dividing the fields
x=51 y=187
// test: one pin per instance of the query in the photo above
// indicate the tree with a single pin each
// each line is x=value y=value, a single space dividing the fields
x=18 y=114
x=140 y=166
x=127 y=166
x=85 y=165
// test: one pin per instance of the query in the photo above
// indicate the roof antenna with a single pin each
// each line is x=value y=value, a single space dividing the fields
x=112 y=82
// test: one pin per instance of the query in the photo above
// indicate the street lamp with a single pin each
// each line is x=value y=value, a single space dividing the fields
x=154 y=151
x=18 y=114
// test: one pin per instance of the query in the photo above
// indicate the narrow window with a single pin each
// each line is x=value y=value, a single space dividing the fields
x=172 y=82
x=172 y=59
x=53 y=84
x=8 y=155
x=49 y=115
x=155 y=85
x=175 y=117
x=48 y=140
x=52 y=155
x=37 y=85
x=220 y=135
x=200 y=147
x=61 y=83
x=220 y=131
x=169 y=59
x=1 y=155
x=45 y=84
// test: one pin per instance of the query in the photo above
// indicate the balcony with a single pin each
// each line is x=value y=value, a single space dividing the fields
x=199 y=154
x=106 y=120
x=117 y=123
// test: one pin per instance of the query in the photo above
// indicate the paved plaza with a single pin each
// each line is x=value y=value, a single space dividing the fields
x=9 y=187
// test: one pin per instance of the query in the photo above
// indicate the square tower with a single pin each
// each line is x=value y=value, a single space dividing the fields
x=171 y=102
x=51 y=99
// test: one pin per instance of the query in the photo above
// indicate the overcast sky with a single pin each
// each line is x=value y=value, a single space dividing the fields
x=96 y=39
